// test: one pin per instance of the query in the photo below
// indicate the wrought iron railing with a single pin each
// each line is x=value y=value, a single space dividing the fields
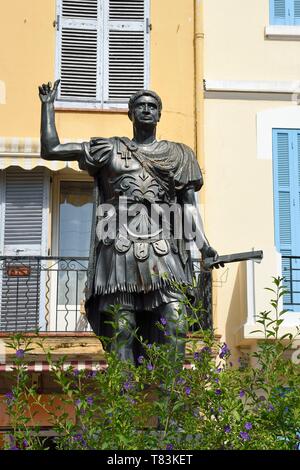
x=291 y=274
x=42 y=293
x=47 y=294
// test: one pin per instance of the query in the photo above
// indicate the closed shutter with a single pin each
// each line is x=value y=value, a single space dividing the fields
x=287 y=206
x=285 y=12
x=78 y=51
x=102 y=51
x=296 y=15
x=25 y=225
x=126 y=38
x=278 y=11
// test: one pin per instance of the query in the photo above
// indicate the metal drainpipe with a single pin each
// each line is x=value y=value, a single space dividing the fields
x=198 y=79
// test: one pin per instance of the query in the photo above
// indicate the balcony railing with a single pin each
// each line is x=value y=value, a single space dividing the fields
x=291 y=274
x=47 y=294
x=44 y=293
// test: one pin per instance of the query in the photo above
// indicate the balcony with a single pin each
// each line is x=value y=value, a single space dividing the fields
x=47 y=294
x=42 y=293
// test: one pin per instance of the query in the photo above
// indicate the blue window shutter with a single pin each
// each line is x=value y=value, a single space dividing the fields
x=286 y=152
x=285 y=12
x=278 y=11
x=282 y=180
x=296 y=12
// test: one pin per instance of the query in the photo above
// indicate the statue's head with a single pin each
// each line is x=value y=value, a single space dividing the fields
x=142 y=96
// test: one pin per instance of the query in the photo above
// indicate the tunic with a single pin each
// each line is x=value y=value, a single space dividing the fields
x=134 y=261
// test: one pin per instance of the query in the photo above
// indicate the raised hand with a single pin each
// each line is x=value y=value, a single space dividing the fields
x=47 y=94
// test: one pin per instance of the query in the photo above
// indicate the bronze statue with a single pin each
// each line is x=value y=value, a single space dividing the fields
x=144 y=195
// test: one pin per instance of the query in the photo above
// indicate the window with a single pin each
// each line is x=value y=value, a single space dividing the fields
x=102 y=52
x=285 y=12
x=286 y=152
x=24 y=234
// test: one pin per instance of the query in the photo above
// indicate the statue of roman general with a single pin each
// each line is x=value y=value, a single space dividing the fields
x=144 y=198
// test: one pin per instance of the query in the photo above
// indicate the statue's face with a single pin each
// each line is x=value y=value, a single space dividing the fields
x=145 y=111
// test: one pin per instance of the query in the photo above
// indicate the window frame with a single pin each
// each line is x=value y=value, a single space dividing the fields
x=101 y=105
x=293 y=190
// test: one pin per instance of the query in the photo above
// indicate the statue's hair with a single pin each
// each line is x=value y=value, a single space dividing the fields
x=140 y=93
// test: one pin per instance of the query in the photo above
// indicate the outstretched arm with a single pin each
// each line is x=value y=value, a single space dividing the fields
x=51 y=148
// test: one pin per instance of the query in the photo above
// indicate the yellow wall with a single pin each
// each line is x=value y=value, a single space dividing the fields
x=26 y=28
x=239 y=212
x=235 y=44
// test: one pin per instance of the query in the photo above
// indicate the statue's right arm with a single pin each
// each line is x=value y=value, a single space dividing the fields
x=51 y=148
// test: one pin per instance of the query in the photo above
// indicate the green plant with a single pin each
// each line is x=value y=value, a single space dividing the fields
x=161 y=405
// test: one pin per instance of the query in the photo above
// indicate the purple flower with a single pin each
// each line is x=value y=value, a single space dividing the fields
x=127 y=386
x=92 y=373
x=248 y=426
x=206 y=349
x=78 y=402
x=217 y=380
x=75 y=372
x=218 y=391
x=197 y=356
x=163 y=321
x=131 y=400
x=220 y=410
x=79 y=438
x=140 y=359
x=245 y=436
x=150 y=366
x=187 y=391
x=90 y=400
x=271 y=408
x=219 y=370
x=20 y=353
x=169 y=447
x=242 y=393
x=14 y=448
x=166 y=333
x=180 y=381
x=224 y=351
x=9 y=397
x=25 y=443
x=227 y=428
x=149 y=346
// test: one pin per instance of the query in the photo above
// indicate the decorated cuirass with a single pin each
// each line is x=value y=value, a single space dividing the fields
x=137 y=210
x=140 y=205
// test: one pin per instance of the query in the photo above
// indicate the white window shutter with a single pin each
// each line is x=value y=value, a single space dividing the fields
x=78 y=51
x=126 y=49
x=25 y=212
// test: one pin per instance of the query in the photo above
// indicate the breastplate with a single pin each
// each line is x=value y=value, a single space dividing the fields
x=138 y=186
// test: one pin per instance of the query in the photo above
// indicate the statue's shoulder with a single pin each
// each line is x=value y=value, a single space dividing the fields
x=180 y=147
x=101 y=145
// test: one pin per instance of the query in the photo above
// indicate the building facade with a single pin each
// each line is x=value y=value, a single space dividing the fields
x=228 y=75
x=251 y=155
x=102 y=51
